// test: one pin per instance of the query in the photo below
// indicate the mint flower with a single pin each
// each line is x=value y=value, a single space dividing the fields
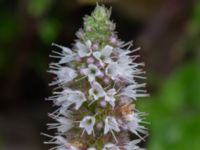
x=88 y=123
x=104 y=55
x=92 y=72
x=95 y=88
x=96 y=91
x=84 y=49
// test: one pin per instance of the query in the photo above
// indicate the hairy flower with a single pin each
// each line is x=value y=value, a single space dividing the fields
x=96 y=88
x=96 y=91
x=132 y=91
x=66 y=56
x=133 y=124
x=110 y=97
x=84 y=50
x=64 y=124
x=64 y=74
x=91 y=72
x=68 y=97
x=132 y=145
x=104 y=55
x=110 y=125
x=88 y=123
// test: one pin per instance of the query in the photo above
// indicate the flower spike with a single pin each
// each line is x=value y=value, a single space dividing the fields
x=95 y=90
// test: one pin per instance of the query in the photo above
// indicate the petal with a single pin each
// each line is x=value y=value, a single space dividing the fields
x=97 y=55
x=112 y=70
x=107 y=50
x=83 y=50
x=65 y=49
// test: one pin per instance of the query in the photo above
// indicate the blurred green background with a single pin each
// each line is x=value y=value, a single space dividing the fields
x=168 y=32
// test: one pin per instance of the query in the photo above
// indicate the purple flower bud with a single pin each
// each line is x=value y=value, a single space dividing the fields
x=90 y=60
x=113 y=39
x=99 y=125
x=98 y=64
x=106 y=80
x=78 y=59
x=95 y=46
x=101 y=75
x=103 y=104
x=82 y=71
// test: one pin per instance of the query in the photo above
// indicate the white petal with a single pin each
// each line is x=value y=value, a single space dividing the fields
x=96 y=91
x=107 y=51
x=111 y=124
x=87 y=123
x=69 y=97
x=97 y=55
x=110 y=146
x=109 y=97
x=132 y=145
x=66 y=50
x=66 y=124
x=84 y=50
x=92 y=71
x=112 y=70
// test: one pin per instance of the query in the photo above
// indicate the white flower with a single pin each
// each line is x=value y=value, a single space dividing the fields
x=64 y=124
x=61 y=142
x=132 y=145
x=112 y=70
x=133 y=123
x=64 y=74
x=96 y=91
x=110 y=97
x=92 y=71
x=110 y=146
x=68 y=97
x=84 y=49
x=110 y=125
x=66 y=56
x=132 y=91
x=104 y=55
x=124 y=68
x=116 y=70
x=88 y=123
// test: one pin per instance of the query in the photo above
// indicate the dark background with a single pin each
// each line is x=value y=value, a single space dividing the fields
x=168 y=32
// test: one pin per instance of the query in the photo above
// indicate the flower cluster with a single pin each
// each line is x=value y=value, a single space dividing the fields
x=96 y=89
